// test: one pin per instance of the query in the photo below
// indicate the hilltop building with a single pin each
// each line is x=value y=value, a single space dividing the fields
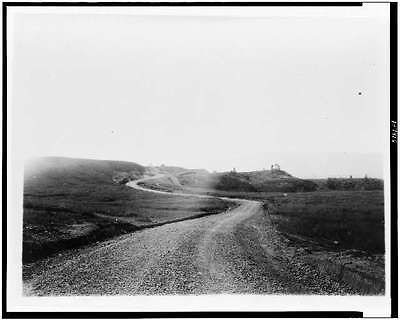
x=275 y=166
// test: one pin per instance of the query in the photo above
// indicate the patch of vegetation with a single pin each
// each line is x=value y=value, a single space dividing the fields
x=336 y=220
x=288 y=185
x=232 y=182
x=74 y=202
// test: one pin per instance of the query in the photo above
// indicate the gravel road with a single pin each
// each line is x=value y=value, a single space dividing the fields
x=237 y=251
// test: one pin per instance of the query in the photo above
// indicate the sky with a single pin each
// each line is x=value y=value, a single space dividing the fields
x=302 y=88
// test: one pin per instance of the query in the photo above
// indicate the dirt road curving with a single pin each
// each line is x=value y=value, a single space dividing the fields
x=237 y=251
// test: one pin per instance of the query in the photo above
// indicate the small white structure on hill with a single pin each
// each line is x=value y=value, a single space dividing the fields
x=275 y=166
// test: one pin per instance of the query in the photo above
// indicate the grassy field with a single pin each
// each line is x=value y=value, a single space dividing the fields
x=340 y=232
x=73 y=202
x=348 y=184
x=335 y=219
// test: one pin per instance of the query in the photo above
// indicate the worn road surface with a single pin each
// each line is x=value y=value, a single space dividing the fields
x=237 y=251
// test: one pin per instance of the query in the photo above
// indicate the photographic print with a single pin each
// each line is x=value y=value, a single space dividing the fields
x=237 y=155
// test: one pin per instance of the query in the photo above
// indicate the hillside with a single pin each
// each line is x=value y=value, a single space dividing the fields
x=254 y=181
x=177 y=178
x=71 y=172
x=73 y=202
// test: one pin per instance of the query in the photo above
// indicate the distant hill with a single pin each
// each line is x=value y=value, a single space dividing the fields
x=265 y=180
x=171 y=170
x=71 y=172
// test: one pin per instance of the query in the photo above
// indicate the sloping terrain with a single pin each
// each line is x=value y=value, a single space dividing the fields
x=255 y=181
x=200 y=181
x=74 y=202
x=75 y=174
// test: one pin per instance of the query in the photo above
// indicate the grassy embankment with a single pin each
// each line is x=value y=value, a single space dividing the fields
x=73 y=202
